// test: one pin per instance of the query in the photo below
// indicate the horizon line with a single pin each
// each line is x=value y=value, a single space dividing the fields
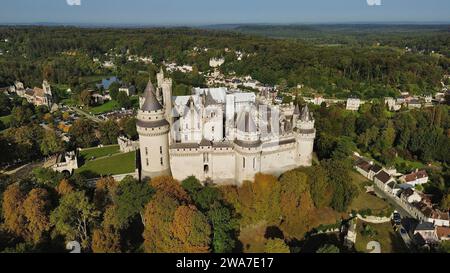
x=119 y=25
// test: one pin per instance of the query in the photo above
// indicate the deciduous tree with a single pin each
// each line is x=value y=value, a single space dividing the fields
x=37 y=208
x=74 y=217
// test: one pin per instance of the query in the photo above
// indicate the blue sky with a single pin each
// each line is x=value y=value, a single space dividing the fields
x=188 y=12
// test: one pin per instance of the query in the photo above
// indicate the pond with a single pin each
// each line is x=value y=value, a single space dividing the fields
x=106 y=83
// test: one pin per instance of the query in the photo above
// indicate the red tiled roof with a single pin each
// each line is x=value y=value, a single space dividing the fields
x=430 y=212
x=443 y=232
x=415 y=176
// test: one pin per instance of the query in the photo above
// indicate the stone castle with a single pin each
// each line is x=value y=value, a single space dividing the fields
x=220 y=136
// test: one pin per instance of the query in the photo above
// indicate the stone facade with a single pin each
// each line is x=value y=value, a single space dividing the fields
x=65 y=162
x=127 y=145
x=220 y=136
x=37 y=96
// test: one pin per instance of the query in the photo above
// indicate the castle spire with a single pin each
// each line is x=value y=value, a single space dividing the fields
x=297 y=110
x=306 y=115
x=151 y=103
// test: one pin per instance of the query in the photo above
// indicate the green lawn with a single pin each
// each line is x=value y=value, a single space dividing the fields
x=99 y=152
x=364 y=200
x=113 y=165
x=391 y=241
x=104 y=108
x=409 y=164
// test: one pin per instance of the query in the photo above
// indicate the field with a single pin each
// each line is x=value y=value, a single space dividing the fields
x=104 y=108
x=366 y=201
x=390 y=241
x=99 y=152
x=111 y=165
x=410 y=165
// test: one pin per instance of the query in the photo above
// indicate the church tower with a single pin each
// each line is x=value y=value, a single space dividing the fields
x=153 y=130
x=306 y=133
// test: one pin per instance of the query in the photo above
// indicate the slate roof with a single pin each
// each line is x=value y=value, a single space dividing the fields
x=376 y=168
x=246 y=123
x=297 y=110
x=151 y=103
x=383 y=177
x=306 y=115
x=152 y=124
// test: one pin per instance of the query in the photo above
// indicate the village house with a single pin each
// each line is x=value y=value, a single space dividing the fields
x=374 y=170
x=318 y=100
x=419 y=205
x=414 y=104
x=425 y=234
x=129 y=90
x=410 y=196
x=415 y=178
x=384 y=181
x=216 y=62
x=353 y=104
x=424 y=211
x=363 y=167
x=392 y=104
x=443 y=233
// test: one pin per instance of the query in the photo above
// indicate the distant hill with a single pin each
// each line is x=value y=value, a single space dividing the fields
x=427 y=37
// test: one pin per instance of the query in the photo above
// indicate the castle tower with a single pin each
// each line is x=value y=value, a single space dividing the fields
x=296 y=115
x=160 y=78
x=166 y=88
x=247 y=147
x=306 y=133
x=153 y=130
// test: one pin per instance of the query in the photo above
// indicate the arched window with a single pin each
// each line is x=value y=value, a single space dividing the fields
x=243 y=162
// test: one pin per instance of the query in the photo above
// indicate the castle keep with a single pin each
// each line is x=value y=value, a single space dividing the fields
x=220 y=136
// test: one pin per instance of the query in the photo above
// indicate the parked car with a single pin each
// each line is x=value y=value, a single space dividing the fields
x=403 y=231
x=397 y=218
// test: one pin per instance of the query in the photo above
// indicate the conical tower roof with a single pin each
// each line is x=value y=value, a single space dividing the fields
x=151 y=103
x=297 y=110
x=306 y=115
x=246 y=123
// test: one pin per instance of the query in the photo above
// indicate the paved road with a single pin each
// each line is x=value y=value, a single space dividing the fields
x=83 y=113
x=405 y=237
x=408 y=221
x=402 y=211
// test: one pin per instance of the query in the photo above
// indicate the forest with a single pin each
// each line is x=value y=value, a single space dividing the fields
x=64 y=55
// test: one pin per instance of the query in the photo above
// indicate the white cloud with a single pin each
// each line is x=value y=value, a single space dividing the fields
x=374 y=2
x=73 y=2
